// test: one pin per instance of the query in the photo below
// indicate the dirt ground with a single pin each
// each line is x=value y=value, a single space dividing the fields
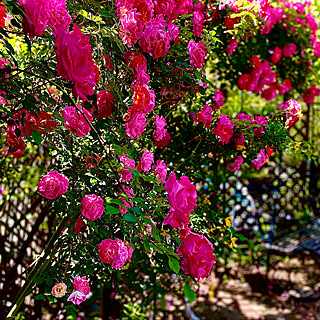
x=291 y=292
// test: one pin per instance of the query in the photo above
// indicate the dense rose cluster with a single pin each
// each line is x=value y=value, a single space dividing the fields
x=115 y=252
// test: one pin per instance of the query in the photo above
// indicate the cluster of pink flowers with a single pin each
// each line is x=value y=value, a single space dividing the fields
x=182 y=196
x=146 y=160
x=53 y=185
x=92 y=207
x=115 y=252
x=80 y=295
x=197 y=254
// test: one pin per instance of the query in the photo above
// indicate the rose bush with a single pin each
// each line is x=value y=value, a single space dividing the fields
x=131 y=121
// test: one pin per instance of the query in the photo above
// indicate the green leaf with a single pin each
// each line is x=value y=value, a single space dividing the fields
x=136 y=210
x=112 y=210
x=155 y=233
x=129 y=217
x=39 y=297
x=36 y=137
x=59 y=117
x=174 y=264
x=189 y=293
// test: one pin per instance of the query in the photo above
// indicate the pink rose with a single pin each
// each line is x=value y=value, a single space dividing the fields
x=289 y=50
x=77 y=297
x=244 y=81
x=143 y=100
x=74 y=60
x=276 y=56
x=224 y=129
x=131 y=26
x=160 y=170
x=198 y=53
x=235 y=164
x=82 y=285
x=126 y=174
x=197 y=255
x=115 y=252
x=135 y=126
x=182 y=197
x=204 y=116
x=146 y=160
x=92 y=207
x=262 y=121
x=316 y=49
x=76 y=122
x=260 y=160
x=285 y=87
x=218 y=100
x=233 y=44
x=309 y=95
x=129 y=192
x=197 y=21
x=53 y=185
x=244 y=117
x=293 y=107
x=59 y=290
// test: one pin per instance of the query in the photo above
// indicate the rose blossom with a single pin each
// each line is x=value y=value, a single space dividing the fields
x=146 y=160
x=77 y=297
x=316 y=49
x=269 y=94
x=235 y=164
x=260 y=160
x=309 y=95
x=76 y=122
x=197 y=255
x=262 y=121
x=74 y=60
x=53 y=185
x=115 y=252
x=160 y=170
x=198 y=53
x=276 y=56
x=129 y=192
x=92 y=207
x=59 y=290
x=105 y=104
x=293 y=107
x=81 y=284
x=182 y=197
x=289 y=50
x=127 y=163
x=197 y=21
x=224 y=129
x=233 y=44
x=204 y=116
x=135 y=126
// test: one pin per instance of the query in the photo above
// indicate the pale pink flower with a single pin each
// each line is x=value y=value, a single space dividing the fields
x=59 y=290
x=77 y=297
